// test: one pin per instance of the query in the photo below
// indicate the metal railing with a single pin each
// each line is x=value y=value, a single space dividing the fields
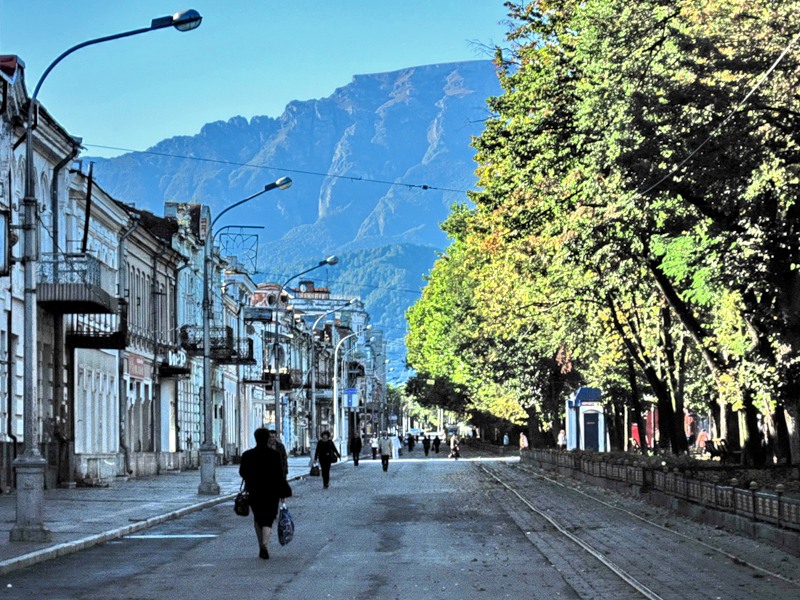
x=82 y=269
x=772 y=507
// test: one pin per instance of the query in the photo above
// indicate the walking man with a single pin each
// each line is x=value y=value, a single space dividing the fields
x=326 y=454
x=355 y=448
x=385 y=447
x=426 y=444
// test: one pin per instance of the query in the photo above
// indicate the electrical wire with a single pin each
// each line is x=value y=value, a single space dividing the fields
x=722 y=123
x=420 y=186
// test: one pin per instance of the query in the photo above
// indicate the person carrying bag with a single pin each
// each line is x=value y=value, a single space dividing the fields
x=326 y=454
x=266 y=485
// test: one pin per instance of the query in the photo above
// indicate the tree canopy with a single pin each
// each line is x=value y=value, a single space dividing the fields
x=636 y=224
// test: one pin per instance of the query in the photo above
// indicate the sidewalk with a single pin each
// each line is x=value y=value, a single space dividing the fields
x=81 y=517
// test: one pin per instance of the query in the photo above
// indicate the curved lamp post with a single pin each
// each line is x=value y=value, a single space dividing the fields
x=336 y=428
x=314 y=427
x=208 y=449
x=276 y=385
x=30 y=465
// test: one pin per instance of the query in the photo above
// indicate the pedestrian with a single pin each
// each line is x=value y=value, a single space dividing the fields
x=702 y=438
x=454 y=450
x=265 y=482
x=276 y=445
x=374 y=445
x=355 y=448
x=410 y=441
x=385 y=446
x=436 y=443
x=326 y=454
x=426 y=444
x=505 y=439
x=523 y=442
x=562 y=439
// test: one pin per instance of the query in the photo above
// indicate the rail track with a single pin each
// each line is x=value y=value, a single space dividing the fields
x=613 y=547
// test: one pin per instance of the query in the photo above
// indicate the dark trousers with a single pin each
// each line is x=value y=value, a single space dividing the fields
x=355 y=458
x=374 y=453
x=385 y=461
x=325 y=469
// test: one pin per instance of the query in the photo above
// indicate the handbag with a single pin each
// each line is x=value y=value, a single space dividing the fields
x=314 y=472
x=285 y=526
x=241 y=504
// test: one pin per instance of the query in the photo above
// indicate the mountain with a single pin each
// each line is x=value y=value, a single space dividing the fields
x=376 y=167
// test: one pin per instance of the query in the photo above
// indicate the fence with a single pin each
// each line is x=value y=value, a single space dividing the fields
x=749 y=503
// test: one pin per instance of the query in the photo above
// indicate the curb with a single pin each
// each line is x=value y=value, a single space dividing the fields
x=31 y=558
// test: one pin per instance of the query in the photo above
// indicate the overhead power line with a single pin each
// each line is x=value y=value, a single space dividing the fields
x=724 y=121
x=419 y=186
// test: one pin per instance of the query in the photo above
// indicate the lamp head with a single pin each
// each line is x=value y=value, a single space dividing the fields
x=331 y=260
x=182 y=21
x=283 y=183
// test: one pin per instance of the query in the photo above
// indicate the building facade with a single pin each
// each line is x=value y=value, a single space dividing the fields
x=119 y=329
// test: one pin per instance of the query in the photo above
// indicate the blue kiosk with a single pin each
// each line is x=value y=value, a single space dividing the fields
x=586 y=421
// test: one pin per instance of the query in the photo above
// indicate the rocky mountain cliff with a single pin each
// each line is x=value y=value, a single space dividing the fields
x=376 y=167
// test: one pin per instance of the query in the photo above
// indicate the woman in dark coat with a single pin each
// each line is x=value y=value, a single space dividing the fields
x=326 y=454
x=265 y=481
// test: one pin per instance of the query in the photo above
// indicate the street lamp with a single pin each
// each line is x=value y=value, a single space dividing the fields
x=208 y=449
x=335 y=377
x=276 y=385
x=314 y=432
x=30 y=466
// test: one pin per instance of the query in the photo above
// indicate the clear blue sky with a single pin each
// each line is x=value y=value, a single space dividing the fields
x=249 y=57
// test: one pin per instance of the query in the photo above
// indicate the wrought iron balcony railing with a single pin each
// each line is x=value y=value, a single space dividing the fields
x=76 y=283
x=98 y=330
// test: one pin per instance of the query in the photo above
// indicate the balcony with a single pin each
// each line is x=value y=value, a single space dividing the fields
x=256 y=375
x=224 y=348
x=75 y=283
x=257 y=313
x=98 y=330
x=239 y=353
x=191 y=340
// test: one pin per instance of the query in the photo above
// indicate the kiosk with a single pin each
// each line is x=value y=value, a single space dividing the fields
x=586 y=421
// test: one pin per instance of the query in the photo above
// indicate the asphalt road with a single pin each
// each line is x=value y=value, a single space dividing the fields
x=428 y=528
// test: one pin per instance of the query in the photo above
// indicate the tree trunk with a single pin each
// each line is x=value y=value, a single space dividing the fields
x=753 y=452
x=780 y=446
x=636 y=406
x=792 y=423
x=723 y=420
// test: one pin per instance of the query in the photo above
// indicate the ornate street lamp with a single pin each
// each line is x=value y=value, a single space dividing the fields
x=276 y=386
x=208 y=449
x=30 y=465
x=336 y=427
x=314 y=425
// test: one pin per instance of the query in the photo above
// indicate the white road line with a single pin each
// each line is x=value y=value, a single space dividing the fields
x=171 y=536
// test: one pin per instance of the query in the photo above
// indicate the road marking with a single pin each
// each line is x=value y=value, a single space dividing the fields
x=171 y=536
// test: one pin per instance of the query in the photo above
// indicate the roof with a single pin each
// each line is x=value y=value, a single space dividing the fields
x=10 y=67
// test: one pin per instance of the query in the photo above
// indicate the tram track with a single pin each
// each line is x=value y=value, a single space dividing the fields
x=611 y=534
x=738 y=559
